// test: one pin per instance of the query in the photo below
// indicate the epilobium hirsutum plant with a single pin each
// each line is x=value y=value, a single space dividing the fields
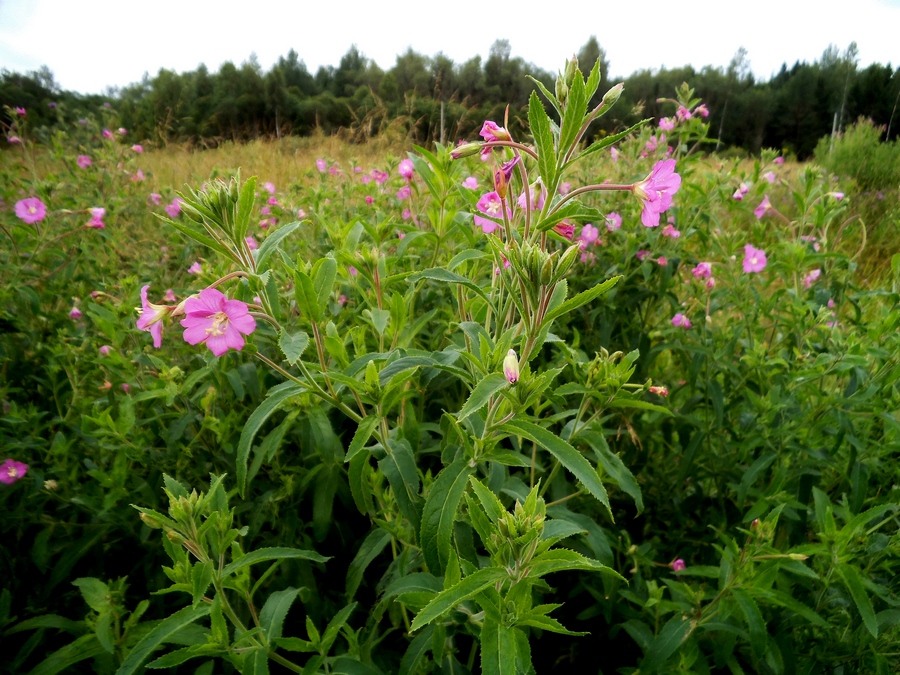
x=452 y=407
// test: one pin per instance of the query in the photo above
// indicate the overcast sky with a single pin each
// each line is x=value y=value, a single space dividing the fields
x=90 y=45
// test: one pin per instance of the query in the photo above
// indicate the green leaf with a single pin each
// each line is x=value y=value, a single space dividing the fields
x=489 y=501
x=568 y=456
x=783 y=599
x=498 y=649
x=463 y=256
x=416 y=651
x=863 y=603
x=361 y=437
x=323 y=275
x=638 y=404
x=372 y=546
x=201 y=578
x=543 y=139
x=440 y=274
x=666 y=643
x=546 y=92
x=273 y=613
x=273 y=553
x=159 y=634
x=562 y=559
x=270 y=244
x=580 y=299
x=256 y=662
x=439 y=513
x=399 y=466
x=94 y=592
x=446 y=600
x=573 y=115
x=195 y=234
x=615 y=467
x=306 y=296
x=755 y=622
x=482 y=393
x=334 y=626
x=545 y=623
x=380 y=319
x=85 y=647
x=608 y=140
x=293 y=345
x=276 y=397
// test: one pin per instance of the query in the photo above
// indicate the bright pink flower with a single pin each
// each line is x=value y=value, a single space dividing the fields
x=589 y=235
x=401 y=235
x=666 y=123
x=764 y=206
x=702 y=110
x=564 y=229
x=126 y=387
x=269 y=187
x=837 y=195
x=272 y=201
x=196 y=268
x=670 y=231
x=613 y=221
x=490 y=204
x=321 y=165
x=107 y=133
x=754 y=259
x=403 y=193
x=659 y=391
x=265 y=210
x=217 y=321
x=74 y=313
x=811 y=278
x=681 y=321
x=662 y=261
x=352 y=270
x=738 y=195
x=334 y=170
x=170 y=296
x=491 y=132
x=656 y=191
x=342 y=300
x=264 y=224
x=105 y=350
x=370 y=200
x=380 y=176
x=151 y=318
x=710 y=283
x=174 y=208
x=11 y=471
x=406 y=169
x=31 y=210
x=779 y=160
x=96 y=220
x=471 y=183
x=682 y=113
x=156 y=198
x=651 y=145
x=642 y=255
x=678 y=565
x=702 y=270
x=406 y=214
x=252 y=244
x=20 y=111
x=137 y=148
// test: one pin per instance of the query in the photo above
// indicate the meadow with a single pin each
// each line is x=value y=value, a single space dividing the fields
x=513 y=405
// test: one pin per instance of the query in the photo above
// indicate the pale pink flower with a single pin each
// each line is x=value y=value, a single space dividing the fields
x=702 y=270
x=659 y=391
x=662 y=261
x=122 y=131
x=151 y=318
x=366 y=179
x=13 y=139
x=403 y=193
x=490 y=204
x=342 y=300
x=196 y=268
x=137 y=148
x=511 y=367
x=252 y=244
x=754 y=259
x=564 y=188
x=126 y=387
x=830 y=304
x=265 y=210
x=642 y=255
x=651 y=145
x=218 y=322
x=711 y=283
x=764 y=206
x=702 y=110
x=401 y=235
x=837 y=195
x=74 y=313
x=738 y=195
x=31 y=210
x=264 y=223
x=105 y=350
x=11 y=471
x=779 y=160
x=613 y=221
x=681 y=321
x=352 y=270
x=678 y=565
x=269 y=187
x=471 y=183
x=406 y=214
x=536 y=204
x=682 y=113
x=321 y=165
x=589 y=235
x=170 y=296
x=138 y=176
x=174 y=208
x=96 y=220
x=156 y=198
x=666 y=123
x=811 y=278
x=656 y=191
x=380 y=176
x=405 y=169
x=614 y=154
x=670 y=231
x=770 y=176
x=334 y=170
x=301 y=213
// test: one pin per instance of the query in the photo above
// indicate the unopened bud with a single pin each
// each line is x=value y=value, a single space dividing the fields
x=466 y=150
x=511 y=366
x=174 y=537
x=610 y=97
x=797 y=556
x=571 y=69
x=151 y=522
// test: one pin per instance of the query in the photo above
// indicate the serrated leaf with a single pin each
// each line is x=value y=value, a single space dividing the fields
x=755 y=622
x=323 y=275
x=666 y=643
x=498 y=649
x=159 y=634
x=450 y=598
x=399 y=467
x=60 y=661
x=293 y=345
x=306 y=296
x=543 y=139
x=94 y=592
x=858 y=592
x=482 y=393
x=374 y=543
x=573 y=115
x=440 y=274
x=416 y=651
x=362 y=436
x=605 y=142
x=273 y=553
x=201 y=578
x=580 y=299
x=439 y=513
x=270 y=244
x=615 y=467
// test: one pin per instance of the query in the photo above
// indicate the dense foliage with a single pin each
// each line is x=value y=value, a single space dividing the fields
x=450 y=411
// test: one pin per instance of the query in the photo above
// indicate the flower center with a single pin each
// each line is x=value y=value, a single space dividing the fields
x=32 y=209
x=493 y=208
x=754 y=260
x=12 y=472
x=219 y=324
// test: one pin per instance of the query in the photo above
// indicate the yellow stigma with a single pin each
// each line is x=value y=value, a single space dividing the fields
x=219 y=318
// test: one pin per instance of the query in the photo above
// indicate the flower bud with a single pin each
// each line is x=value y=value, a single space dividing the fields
x=610 y=97
x=466 y=150
x=511 y=366
x=571 y=68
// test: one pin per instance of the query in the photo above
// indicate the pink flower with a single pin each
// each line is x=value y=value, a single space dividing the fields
x=770 y=177
x=334 y=170
x=490 y=204
x=126 y=387
x=321 y=165
x=105 y=350
x=151 y=317
x=670 y=231
x=352 y=270
x=138 y=176
x=370 y=200
x=613 y=221
x=366 y=179
x=174 y=208
x=265 y=210
x=269 y=187
x=74 y=313
x=122 y=131
x=137 y=148
x=710 y=283
x=217 y=321
x=682 y=113
x=666 y=123
x=491 y=132
x=642 y=255
x=251 y=243
x=13 y=139
x=20 y=111
x=651 y=145
x=659 y=391
x=702 y=270
x=401 y=235
x=342 y=300
x=656 y=191
x=589 y=235
x=677 y=565
x=830 y=304
x=11 y=471
x=96 y=220
x=31 y=210
x=196 y=268
x=406 y=214
x=272 y=201
x=662 y=261
x=170 y=296
x=536 y=204
x=301 y=213
x=379 y=176
x=564 y=188
x=614 y=154
x=156 y=198
x=107 y=133
x=403 y=193
x=811 y=278
x=471 y=183
x=779 y=160
x=837 y=195
x=406 y=169
x=754 y=259
x=681 y=321
x=264 y=224
x=566 y=230
x=702 y=110
x=764 y=206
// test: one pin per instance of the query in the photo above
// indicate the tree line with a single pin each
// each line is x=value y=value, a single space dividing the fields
x=431 y=98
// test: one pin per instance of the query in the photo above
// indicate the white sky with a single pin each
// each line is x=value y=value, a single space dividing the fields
x=93 y=44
